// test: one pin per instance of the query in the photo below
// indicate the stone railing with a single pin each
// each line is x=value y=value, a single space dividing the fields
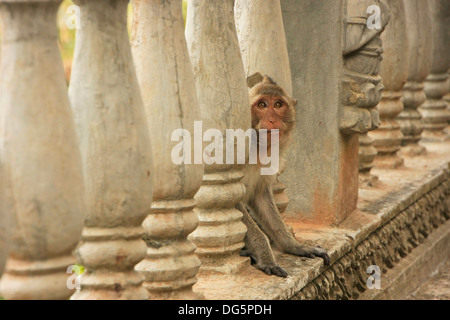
x=87 y=178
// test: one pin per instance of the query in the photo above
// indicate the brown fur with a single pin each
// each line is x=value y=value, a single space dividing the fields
x=260 y=214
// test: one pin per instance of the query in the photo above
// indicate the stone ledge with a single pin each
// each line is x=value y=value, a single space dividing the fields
x=393 y=218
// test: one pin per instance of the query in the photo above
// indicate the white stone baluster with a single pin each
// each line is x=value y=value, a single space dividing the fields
x=434 y=110
x=418 y=28
x=224 y=104
x=41 y=158
x=116 y=153
x=170 y=99
x=260 y=29
x=394 y=72
x=447 y=100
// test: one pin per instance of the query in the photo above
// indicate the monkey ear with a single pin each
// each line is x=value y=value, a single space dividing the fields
x=294 y=102
x=254 y=79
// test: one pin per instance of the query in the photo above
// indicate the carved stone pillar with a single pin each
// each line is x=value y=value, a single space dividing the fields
x=434 y=110
x=362 y=84
x=40 y=154
x=168 y=90
x=260 y=29
x=366 y=154
x=418 y=27
x=447 y=100
x=394 y=71
x=116 y=153
x=337 y=86
x=224 y=104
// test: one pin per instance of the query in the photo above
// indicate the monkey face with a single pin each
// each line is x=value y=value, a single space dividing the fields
x=271 y=113
x=271 y=108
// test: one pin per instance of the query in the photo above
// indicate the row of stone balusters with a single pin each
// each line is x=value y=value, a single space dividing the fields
x=113 y=130
x=415 y=76
x=115 y=137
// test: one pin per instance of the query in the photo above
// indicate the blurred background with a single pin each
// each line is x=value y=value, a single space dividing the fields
x=67 y=36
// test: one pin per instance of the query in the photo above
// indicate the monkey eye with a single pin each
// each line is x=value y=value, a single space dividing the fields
x=261 y=105
x=278 y=104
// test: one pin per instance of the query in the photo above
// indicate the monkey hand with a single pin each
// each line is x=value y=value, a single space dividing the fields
x=309 y=252
x=268 y=266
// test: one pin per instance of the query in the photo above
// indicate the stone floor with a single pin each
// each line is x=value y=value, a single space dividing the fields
x=437 y=287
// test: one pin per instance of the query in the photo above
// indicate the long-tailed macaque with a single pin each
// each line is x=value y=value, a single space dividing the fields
x=271 y=109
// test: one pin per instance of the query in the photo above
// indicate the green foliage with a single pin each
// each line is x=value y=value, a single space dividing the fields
x=67 y=36
x=81 y=270
x=184 y=11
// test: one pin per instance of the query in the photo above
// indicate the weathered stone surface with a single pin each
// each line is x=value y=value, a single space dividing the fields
x=322 y=176
x=224 y=104
x=260 y=29
x=362 y=56
x=116 y=152
x=394 y=71
x=41 y=160
x=434 y=110
x=168 y=90
x=447 y=100
x=313 y=185
x=437 y=287
x=418 y=27
x=262 y=40
x=367 y=153
x=402 y=193
x=362 y=84
x=385 y=248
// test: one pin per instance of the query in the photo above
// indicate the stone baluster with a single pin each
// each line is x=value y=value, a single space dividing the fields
x=168 y=90
x=116 y=153
x=394 y=72
x=366 y=77
x=418 y=27
x=260 y=29
x=41 y=159
x=337 y=86
x=434 y=110
x=447 y=100
x=366 y=154
x=224 y=104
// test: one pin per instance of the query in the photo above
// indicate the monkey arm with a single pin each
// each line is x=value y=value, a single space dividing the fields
x=257 y=246
x=269 y=220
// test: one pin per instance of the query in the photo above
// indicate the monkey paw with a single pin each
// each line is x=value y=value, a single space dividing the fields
x=272 y=269
x=312 y=252
x=269 y=268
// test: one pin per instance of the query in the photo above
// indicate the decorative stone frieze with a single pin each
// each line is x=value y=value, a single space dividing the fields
x=391 y=242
